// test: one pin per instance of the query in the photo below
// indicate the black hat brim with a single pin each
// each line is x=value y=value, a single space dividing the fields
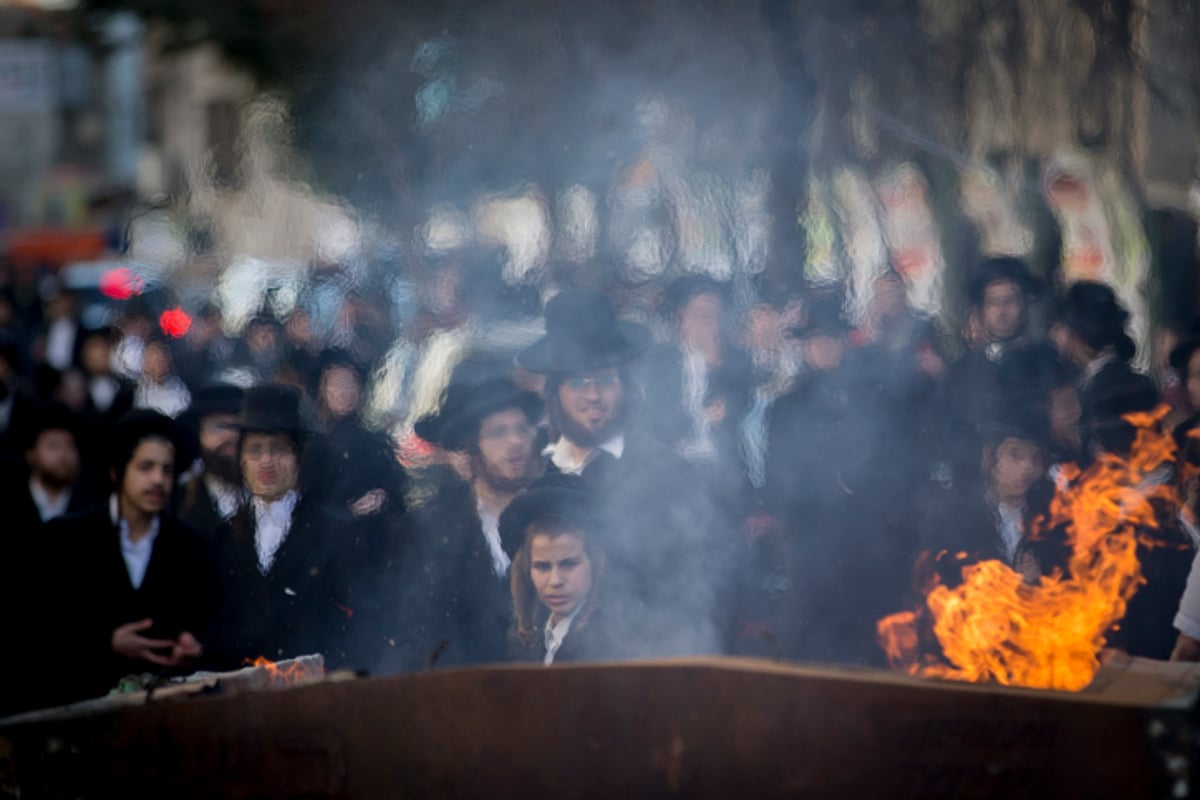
x=556 y=495
x=542 y=357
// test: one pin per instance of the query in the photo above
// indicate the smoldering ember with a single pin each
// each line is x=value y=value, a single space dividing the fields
x=713 y=398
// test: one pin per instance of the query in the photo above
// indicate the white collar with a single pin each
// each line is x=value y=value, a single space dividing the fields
x=1106 y=357
x=122 y=525
x=556 y=633
x=227 y=496
x=560 y=453
x=272 y=522
x=49 y=507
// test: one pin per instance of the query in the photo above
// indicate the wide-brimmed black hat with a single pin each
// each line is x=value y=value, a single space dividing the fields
x=140 y=423
x=582 y=334
x=214 y=398
x=1001 y=268
x=464 y=406
x=273 y=408
x=555 y=494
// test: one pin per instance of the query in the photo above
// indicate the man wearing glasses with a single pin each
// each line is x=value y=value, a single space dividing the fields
x=446 y=583
x=674 y=555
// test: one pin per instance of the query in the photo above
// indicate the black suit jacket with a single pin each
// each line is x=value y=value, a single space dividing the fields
x=440 y=586
x=85 y=594
x=299 y=607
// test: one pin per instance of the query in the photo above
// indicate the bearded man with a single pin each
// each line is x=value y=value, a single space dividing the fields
x=446 y=580
x=211 y=496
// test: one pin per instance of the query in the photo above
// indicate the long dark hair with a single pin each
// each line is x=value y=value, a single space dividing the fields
x=527 y=607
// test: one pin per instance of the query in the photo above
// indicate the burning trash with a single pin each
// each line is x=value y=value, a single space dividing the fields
x=998 y=627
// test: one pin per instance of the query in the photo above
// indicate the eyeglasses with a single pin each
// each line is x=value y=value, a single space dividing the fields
x=257 y=452
x=581 y=382
x=504 y=431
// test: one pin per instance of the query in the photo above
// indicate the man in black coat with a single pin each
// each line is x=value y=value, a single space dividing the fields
x=448 y=580
x=122 y=588
x=283 y=564
x=51 y=487
x=1000 y=291
x=211 y=495
x=675 y=556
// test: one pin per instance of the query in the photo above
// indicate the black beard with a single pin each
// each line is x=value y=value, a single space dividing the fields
x=582 y=436
x=497 y=483
x=224 y=468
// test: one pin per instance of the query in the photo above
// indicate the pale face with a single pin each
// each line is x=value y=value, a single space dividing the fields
x=591 y=402
x=1003 y=310
x=506 y=456
x=1018 y=463
x=340 y=391
x=146 y=487
x=270 y=465
x=822 y=352
x=561 y=573
x=700 y=321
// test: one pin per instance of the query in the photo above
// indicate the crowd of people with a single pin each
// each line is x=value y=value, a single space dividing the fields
x=742 y=477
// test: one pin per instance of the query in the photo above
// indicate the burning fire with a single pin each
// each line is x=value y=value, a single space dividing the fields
x=286 y=674
x=997 y=627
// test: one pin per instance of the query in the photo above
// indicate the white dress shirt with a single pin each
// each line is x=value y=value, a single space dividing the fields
x=60 y=343
x=555 y=634
x=560 y=453
x=1012 y=530
x=491 y=532
x=226 y=495
x=136 y=554
x=49 y=507
x=272 y=521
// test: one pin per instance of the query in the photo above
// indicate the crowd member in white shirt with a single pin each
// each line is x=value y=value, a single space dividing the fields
x=557 y=575
x=126 y=580
x=282 y=562
x=446 y=579
x=213 y=490
x=52 y=488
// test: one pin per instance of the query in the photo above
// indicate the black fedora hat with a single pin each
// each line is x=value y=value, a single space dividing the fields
x=214 y=398
x=465 y=405
x=1001 y=268
x=583 y=333
x=273 y=408
x=555 y=494
x=140 y=423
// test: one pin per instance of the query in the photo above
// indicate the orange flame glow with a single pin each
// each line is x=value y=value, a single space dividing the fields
x=292 y=672
x=997 y=627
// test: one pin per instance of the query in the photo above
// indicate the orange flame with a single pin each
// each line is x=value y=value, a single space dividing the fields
x=293 y=672
x=997 y=627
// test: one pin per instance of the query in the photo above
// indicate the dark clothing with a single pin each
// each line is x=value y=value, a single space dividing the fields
x=22 y=512
x=198 y=508
x=971 y=392
x=87 y=594
x=674 y=558
x=440 y=586
x=352 y=461
x=300 y=606
x=1114 y=391
x=964 y=520
x=842 y=469
x=596 y=641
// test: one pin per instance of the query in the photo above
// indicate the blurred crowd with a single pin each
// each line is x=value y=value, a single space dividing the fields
x=686 y=468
